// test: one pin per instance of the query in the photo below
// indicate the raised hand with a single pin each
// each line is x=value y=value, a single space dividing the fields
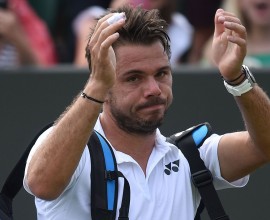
x=229 y=44
x=103 y=60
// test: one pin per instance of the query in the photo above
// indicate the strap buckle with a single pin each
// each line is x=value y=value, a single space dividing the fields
x=202 y=178
x=110 y=175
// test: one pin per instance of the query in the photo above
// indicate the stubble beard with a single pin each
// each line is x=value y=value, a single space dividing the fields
x=132 y=123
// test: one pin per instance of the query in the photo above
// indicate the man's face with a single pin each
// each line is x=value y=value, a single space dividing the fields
x=143 y=89
x=256 y=11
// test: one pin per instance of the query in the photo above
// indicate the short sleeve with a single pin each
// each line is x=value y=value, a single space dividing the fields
x=208 y=152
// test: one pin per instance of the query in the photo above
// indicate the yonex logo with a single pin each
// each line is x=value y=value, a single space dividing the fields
x=172 y=166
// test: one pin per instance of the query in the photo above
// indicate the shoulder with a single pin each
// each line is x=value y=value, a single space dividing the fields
x=208 y=150
x=169 y=151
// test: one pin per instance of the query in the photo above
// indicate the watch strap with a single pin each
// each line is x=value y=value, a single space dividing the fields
x=246 y=85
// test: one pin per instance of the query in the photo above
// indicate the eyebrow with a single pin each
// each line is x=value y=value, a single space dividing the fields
x=136 y=71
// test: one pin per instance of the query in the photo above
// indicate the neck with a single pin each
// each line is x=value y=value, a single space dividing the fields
x=139 y=147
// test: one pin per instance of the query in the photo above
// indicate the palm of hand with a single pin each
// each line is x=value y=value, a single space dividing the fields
x=105 y=66
x=226 y=55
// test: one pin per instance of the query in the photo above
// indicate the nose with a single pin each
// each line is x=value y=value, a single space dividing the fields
x=152 y=87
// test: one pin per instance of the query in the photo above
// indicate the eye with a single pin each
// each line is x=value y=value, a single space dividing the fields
x=161 y=74
x=133 y=79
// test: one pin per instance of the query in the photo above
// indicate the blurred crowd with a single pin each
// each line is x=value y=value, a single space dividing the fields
x=51 y=32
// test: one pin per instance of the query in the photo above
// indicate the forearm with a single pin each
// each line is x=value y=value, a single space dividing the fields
x=255 y=108
x=54 y=163
x=240 y=153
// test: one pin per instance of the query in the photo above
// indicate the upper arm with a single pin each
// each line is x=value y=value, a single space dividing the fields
x=35 y=148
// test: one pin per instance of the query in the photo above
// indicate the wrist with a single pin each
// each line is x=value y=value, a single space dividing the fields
x=242 y=84
x=237 y=80
x=96 y=90
x=90 y=98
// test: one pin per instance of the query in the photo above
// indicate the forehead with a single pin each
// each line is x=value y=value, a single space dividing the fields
x=147 y=57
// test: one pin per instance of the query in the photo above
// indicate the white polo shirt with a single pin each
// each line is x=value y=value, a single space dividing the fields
x=164 y=193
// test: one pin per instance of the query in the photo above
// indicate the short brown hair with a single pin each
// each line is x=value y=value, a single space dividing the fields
x=142 y=27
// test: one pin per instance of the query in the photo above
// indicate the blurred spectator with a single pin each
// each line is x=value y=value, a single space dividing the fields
x=180 y=30
x=24 y=39
x=59 y=15
x=201 y=16
x=255 y=15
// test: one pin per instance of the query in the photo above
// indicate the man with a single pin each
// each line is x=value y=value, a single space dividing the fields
x=130 y=72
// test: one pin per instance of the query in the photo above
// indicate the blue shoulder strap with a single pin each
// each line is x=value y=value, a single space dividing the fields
x=109 y=166
x=188 y=142
x=104 y=181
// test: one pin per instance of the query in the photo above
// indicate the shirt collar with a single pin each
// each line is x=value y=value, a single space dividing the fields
x=162 y=147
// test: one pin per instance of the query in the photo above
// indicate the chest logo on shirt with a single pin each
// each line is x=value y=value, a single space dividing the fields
x=172 y=166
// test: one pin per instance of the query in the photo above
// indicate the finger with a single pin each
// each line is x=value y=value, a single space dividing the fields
x=95 y=43
x=116 y=17
x=219 y=19
x=103 y=24
x=97 y=29
x=227 y=13
x=106 y=44
x=227 y=33
x=237 y=40
x=237 y=29
x=230 y=19
x=238 y=36
x=101 y=20
x=223 y=17
x=105 y=34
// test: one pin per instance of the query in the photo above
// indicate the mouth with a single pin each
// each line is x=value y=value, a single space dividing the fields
x=154 y=107
x=153 y=104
